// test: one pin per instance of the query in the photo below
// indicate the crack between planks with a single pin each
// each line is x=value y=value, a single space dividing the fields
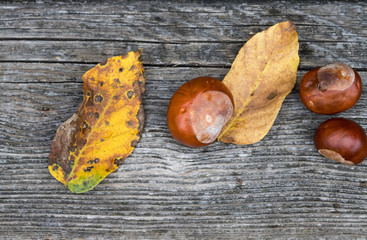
x=156 y=41
x=152 y=65
x=145 y=64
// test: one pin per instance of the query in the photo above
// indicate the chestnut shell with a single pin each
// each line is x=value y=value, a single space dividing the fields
x=178 y=112
x=341 y=140
x=327 y=100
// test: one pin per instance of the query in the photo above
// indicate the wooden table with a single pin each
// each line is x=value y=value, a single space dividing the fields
x=277 y=188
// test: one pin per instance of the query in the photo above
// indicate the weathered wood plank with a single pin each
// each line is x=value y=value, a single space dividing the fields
x=166 y=54
x=277 y=188
x=162 y=22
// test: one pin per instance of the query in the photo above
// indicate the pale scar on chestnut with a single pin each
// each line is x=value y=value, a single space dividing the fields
x=210 y=111
x=332 y=155
x=335 y=76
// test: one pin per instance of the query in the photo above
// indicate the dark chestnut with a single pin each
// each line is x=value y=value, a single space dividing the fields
x=330 y=89
x=198 y=110
x=341 y=140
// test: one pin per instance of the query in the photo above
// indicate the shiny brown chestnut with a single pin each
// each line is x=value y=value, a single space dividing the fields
x=330 y=89
x=341 y=140
x=198 y=110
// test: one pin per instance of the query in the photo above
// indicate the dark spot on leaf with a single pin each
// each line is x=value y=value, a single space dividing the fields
x=116 y=80
x=132 y=67
x=101 y=84
x=55 y=167
x=84 y=124
x=272 y=96
x=252 y=94
x=140 y=58
x=134 y=142
x=72 y=148
x=88 y=169
x=130 y=94
x=72 y=162
x=129 y=123
x=118 y=161
x=96 y=115
x=107 y=123
x=93 y=161
x=88 y=94
x=85 y=183
x=108 y=170
x=121 y=69
x=115 y=98
x=102 y=140
x=98 y=99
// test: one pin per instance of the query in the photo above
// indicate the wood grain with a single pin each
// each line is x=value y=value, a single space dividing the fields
x=279 y=188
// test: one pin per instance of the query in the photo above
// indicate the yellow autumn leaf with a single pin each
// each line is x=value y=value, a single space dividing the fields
x=106 y=127
x=262 y=75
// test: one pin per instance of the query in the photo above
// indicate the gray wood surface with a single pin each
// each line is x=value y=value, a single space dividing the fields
x=279 y=188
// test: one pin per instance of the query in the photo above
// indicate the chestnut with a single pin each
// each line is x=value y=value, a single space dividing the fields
x=330 y=89
x=341 y=140
x=198 y=110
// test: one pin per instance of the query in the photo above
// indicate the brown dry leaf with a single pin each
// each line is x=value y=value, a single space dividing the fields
x=262 y=75
x=106 y=128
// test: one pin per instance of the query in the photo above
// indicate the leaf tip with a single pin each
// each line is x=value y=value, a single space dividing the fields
x=287 y=26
